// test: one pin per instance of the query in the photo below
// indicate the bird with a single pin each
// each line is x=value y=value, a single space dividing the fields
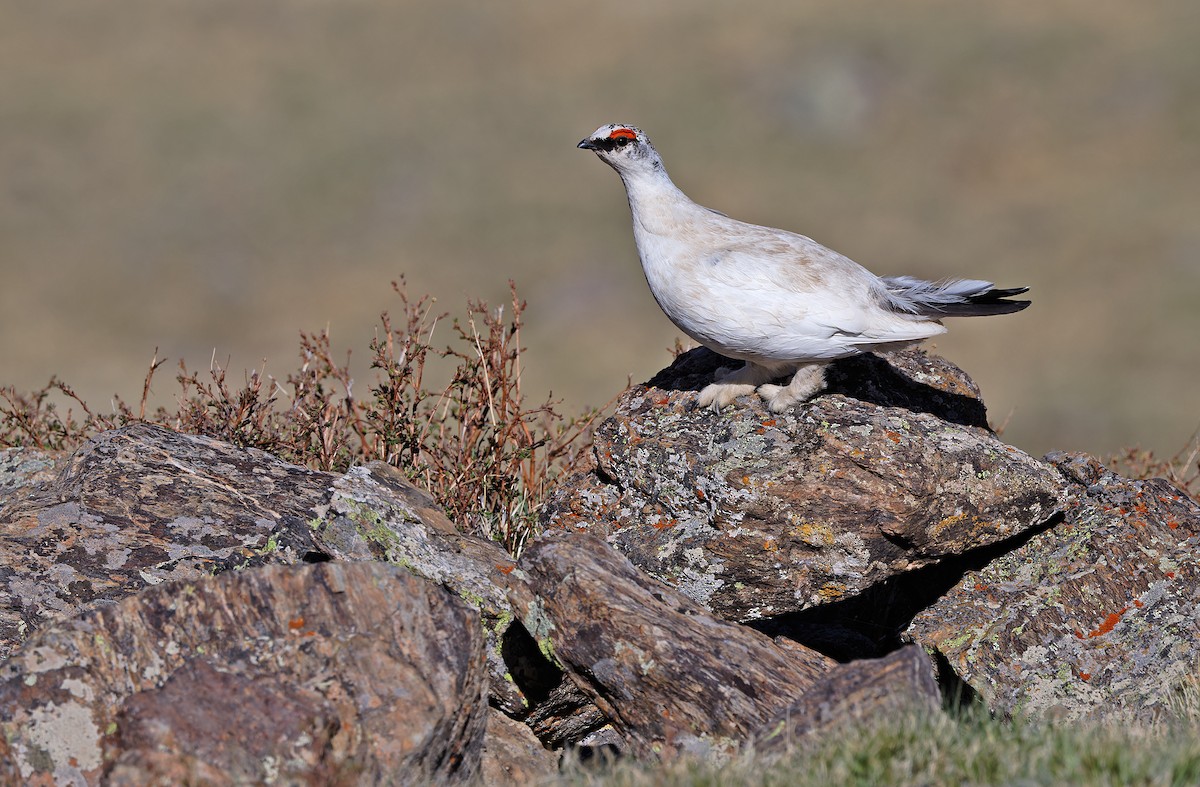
x=779 y=301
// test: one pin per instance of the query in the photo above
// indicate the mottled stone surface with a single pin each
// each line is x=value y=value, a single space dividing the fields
x=308 y=674
x=142 y=505
x=23 y=469
x=139 y=506
x=671 y=677
x=898 y=685
x=1099 y=616
x=754 y=514
x=512 y=755
x=374 y=512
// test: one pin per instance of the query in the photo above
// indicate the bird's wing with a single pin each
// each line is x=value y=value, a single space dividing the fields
x=805 y=293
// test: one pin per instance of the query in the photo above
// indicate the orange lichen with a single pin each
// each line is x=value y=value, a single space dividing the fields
x=1085 y=676
x=893 y=436
x=296 y=623
x=700 y=494
x=831 y=591
x=1171 y=523
x=505 y=568
x=1109 y=623
x=1170 y=575
x=663 y=524
x=980 y=586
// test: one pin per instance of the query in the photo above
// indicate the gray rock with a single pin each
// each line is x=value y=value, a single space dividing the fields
x=754 y=514
x=308 y=674
x=24 y=468
x=1097 y=617
x=671 y=677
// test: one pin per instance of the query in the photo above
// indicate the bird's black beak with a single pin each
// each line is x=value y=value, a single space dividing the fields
x=587 y=144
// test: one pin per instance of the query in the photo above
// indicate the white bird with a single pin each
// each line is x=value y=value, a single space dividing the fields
x=781 y=302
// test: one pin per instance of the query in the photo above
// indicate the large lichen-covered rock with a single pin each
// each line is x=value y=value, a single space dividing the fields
x=1097 y=617
x=142 y=505
x=671 y=677
x=305 y=674
x=754 y=514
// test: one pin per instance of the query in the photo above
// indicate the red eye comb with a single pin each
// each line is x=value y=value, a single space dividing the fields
x=619 y=133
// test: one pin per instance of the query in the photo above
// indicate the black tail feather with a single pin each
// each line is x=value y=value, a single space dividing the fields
x=994 y=301
x=954 y=298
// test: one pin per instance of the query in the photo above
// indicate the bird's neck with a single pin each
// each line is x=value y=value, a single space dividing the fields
x=656 y=203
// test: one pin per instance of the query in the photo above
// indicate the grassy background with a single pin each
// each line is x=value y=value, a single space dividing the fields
x=216 y=174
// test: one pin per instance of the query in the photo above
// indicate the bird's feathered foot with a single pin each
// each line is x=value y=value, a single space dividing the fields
x=807 y=382
x=731 y=383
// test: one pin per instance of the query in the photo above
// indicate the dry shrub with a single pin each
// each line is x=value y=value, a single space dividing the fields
x=1182 y=469
x=484 y=453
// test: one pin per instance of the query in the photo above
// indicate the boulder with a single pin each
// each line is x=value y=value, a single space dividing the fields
x=670 y=676
x=314 y=674
x=142 y=505
x=755 y=514
x=1097 y=617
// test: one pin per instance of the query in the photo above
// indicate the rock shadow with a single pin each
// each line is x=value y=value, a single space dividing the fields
x=871 y=623
x=886 y=381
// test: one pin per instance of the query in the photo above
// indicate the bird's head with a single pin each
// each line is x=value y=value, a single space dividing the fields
x=625 y=148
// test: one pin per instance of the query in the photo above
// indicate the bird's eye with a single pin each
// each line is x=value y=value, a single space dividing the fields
x=622 y=141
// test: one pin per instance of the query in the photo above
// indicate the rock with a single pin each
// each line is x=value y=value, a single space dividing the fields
x=1097 y=617
x=754 y=514
x=161 y=769
x=897 y=685
x=23 y=468
x=202 y=715
x=374 y=512
x=314 y=674
x=143 y=505
x=565 y=717
x=671 y=677
x=512 y=755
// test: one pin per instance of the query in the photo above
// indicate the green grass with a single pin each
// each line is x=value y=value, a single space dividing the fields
x=970 y=748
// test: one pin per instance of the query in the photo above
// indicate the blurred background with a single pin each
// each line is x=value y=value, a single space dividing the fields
x=216 y=175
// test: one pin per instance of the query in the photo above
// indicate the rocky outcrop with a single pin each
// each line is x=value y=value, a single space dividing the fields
x=179 y=610
x=1098 y=617
x=671 y=677
x=317 y=673
x=755 y=514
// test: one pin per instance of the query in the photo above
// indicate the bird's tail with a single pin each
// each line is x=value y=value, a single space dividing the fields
x=954 y=298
